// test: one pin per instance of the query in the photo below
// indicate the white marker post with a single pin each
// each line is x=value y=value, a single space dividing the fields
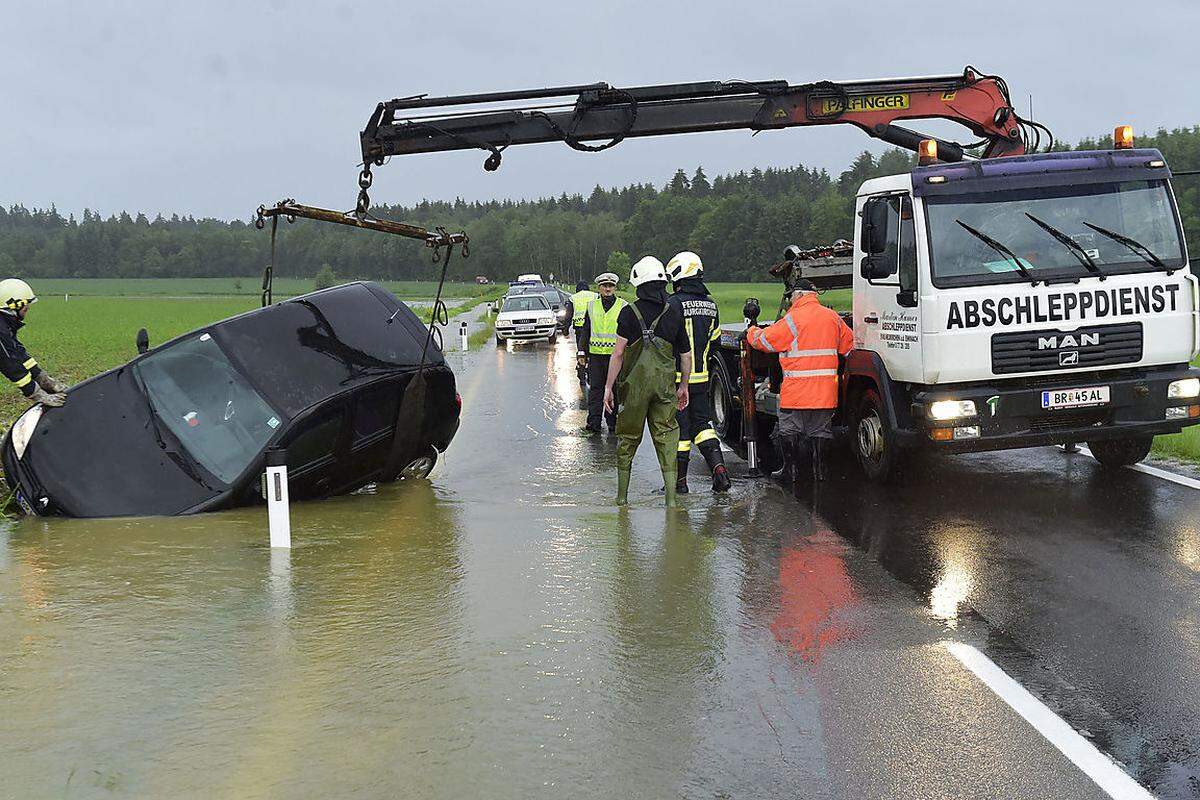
x=278 y=511
x=462 y=333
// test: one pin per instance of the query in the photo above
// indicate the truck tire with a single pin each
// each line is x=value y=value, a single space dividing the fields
x=874 y=440
x=1121 y=452
x=727 y=416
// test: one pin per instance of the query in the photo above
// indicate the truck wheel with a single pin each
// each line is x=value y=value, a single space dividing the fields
x=1121 y=452
x=727 y=418
x=874 y=441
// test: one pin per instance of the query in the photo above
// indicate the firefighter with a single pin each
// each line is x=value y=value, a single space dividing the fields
x=808 y=338
x=597 y=337
x=650 y=339
x=702 y=322
x=15 y=362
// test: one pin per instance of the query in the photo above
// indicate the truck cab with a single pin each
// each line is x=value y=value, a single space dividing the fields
x=1020 y=301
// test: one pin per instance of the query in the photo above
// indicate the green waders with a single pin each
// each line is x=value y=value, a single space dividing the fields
x=646 y=390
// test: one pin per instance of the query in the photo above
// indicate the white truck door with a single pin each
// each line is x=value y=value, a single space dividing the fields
x=886 y=294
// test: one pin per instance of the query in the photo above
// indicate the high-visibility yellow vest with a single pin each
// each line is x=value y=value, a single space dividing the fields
x=603 y=336
x=579 y=302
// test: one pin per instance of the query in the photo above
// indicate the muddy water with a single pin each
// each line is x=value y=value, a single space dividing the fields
x=500 y=630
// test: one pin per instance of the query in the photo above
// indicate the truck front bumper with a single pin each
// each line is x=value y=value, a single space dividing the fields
x=1012 y=415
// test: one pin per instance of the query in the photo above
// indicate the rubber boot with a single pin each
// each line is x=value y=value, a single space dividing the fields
x=669 y=486
x=802 y=460
x=716 y=465
x=786 y=449
x=681 y=466
x=622 y=486
x=820 y=452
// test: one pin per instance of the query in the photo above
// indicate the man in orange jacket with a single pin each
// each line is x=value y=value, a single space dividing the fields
x=808 y=338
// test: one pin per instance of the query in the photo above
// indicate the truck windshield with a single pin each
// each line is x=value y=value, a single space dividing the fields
x=220 y=420
x=1141 y=211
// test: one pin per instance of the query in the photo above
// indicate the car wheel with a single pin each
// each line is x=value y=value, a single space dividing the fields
x=874 y=440
x=499 y=341
x=419 y=468
x=553 y=338
x=1121 y=452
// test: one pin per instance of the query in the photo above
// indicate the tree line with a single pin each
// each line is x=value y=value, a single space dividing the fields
x=739 y=223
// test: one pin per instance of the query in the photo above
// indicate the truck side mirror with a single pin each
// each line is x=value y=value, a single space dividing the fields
x=906 y=298
x=873 y=269
x=875 y=226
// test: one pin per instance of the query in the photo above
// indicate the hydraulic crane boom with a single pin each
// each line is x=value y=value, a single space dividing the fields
x=601 y=113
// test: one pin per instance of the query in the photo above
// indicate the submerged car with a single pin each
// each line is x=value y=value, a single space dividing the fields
x=525 y=317
x=328 y=377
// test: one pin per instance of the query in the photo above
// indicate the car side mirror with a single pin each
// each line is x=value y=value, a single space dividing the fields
x=143 y=341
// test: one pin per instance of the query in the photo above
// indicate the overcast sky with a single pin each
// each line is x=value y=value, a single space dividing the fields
x=210 y=108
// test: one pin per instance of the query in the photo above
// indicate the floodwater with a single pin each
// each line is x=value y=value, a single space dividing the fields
x=500 y=630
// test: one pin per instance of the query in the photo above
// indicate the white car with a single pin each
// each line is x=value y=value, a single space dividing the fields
x=525 y=318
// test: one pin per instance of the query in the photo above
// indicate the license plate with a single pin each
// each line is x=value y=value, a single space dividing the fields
x=524 y=329
x=1076 y=398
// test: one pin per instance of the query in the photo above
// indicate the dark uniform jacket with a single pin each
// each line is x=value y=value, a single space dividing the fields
x=701 y=320
x=15 y=362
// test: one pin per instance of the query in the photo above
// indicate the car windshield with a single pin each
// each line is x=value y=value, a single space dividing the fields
x=1141 y=212
x=195 y=392
x=525 y=302
x=552 y=297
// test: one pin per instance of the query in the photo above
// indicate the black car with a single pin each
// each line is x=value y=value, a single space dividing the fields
x=185 y=427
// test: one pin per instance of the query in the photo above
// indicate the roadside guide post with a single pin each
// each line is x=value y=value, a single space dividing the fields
x=462 y=334
x=278 y=510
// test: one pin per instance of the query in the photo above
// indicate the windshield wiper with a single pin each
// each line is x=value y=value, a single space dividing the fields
x=177 y=457
x=1080 y=254
x=1002 y=250
x=1133 y=245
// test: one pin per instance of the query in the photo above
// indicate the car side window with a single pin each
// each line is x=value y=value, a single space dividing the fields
x=317 y=440
x=375 y=410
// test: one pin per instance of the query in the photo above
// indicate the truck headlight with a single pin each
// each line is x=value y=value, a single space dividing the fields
x=22 y=430
x=1183 y=389
x=944 y=410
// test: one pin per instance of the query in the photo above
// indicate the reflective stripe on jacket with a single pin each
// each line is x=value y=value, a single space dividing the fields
x=808 y=338
x=602 y=326
x=579 y=302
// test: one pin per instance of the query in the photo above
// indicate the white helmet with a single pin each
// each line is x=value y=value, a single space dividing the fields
x=685 y=265
x=15 y=294
x=647 y=269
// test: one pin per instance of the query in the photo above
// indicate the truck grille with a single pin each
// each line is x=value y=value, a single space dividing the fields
x=1039 y=351
x=1060 y=420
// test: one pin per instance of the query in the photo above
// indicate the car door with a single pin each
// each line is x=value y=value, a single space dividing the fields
x=886 y=303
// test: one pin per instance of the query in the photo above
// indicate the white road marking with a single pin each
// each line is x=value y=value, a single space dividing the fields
x=1166 y=475
x=1102 y=770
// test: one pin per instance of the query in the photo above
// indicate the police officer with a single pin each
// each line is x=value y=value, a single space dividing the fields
x=15 y=362
x=579 y=302
x=808 y=338
x=597 y=337
x=702 y=322
x=651 y=341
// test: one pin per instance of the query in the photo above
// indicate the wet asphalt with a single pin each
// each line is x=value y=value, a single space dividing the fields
x=501 y=630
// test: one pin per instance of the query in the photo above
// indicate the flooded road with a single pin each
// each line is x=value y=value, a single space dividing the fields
x=503 y=631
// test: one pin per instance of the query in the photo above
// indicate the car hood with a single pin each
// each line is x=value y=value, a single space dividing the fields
x=98 y=456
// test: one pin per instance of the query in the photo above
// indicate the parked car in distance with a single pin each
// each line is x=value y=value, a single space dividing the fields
x=525 y=317
x=185 y=427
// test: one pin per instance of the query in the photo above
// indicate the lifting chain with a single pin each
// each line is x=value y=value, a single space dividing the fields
x=362 y=207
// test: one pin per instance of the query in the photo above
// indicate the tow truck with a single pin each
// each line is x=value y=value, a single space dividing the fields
x=1002 y=297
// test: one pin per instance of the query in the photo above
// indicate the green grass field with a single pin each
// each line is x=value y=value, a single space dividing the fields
x=249 y=287
x=94 y=331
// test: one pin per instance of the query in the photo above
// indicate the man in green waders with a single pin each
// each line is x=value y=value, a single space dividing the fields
x=641 y=374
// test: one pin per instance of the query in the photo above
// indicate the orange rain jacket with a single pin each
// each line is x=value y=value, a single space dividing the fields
x=808 y=338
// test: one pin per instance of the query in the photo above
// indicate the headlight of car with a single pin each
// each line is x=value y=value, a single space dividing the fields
x=22 y=430
x=1183 y=389
x=943 y=410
